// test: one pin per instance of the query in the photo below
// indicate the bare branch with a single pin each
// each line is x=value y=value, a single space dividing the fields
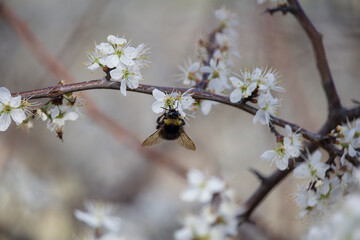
x=319 y=50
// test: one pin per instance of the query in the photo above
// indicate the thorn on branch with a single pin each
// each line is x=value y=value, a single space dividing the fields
x=355 y=101
x=284 y=8
x=259 y=175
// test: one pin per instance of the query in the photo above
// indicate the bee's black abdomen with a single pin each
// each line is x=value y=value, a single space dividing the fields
x=170 y=132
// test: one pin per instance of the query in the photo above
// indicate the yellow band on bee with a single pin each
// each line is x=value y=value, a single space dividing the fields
x=176 y=122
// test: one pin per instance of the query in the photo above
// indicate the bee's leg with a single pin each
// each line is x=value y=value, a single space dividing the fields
x=160 y=119
x=182 y=122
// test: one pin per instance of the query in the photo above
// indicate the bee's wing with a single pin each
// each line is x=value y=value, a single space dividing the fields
x=185 y=141
x=155 y=138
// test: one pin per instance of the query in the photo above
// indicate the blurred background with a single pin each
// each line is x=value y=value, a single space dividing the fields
x=43 y=180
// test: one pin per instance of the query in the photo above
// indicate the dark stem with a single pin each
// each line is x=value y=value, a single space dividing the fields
x=320 y=55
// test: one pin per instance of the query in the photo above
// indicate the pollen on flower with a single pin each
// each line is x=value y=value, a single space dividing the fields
x=178 y=101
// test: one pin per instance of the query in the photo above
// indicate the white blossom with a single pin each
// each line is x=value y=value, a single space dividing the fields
x=10 y=108
x=312 y=168
x=128 y=77
x=319 y=197
x=343 y=224
x=180 y=102
x=206 y=106
x=190 y=72
x=196 y=227
x=288 y=148
x=217 y=71
x=201 y=188
x=122 y=61
x=268 y=81
x=268 y=107
x=100 y=215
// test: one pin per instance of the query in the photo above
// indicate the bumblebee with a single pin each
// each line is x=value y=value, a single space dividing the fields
x=170 y=127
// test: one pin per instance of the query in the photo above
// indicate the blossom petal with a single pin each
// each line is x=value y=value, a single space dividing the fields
x=112 y=61
x=260 y=116
x=93 y=66
x=89 y=219
x=116 y=74
x=195 y=177
x=123 y=87
x=5 y=121
x=215 y=185
x=190 y=194
x=194 y=67
x=15 y=101
x=157 y=106
x=5 y=95
x=236 y=82
x=206 y=106
x=205 y=196
x=18 y=115
x=158 y=95
x=236 y=95
x=127 y=61
x=268 y=155
x=55 y=112
x=133 y=83
x=105 y=48
x=71 y=116
x=281 y=164
x=130 y=52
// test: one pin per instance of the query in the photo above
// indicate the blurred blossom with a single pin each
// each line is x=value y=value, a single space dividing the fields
x=343 y=224
x=201 y=188
x=99 y=215
x=21 y=186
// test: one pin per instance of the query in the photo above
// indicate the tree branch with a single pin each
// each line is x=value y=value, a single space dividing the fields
x=55 y=91
x=320 y=55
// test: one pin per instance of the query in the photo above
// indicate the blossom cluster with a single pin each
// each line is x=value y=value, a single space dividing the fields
x=343 y=224
x=324 y=184
x=11 y=108
x=288 y=147
x=56 y=112
x=178 y=101
x=123 y=62
x=211 y=70
x=256 y=86
x=348 y=138
x=218 y=216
